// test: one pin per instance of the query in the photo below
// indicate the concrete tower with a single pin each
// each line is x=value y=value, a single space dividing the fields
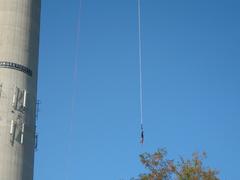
x=19 y=44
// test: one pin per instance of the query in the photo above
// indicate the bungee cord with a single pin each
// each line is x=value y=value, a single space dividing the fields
x=140 y=71
x=75 y=88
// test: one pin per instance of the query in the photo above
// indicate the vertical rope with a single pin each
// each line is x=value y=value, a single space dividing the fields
x=140 y=69
x=140 y=60
x=75 y=89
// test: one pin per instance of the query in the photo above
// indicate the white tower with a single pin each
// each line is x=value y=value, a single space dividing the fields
x=19 y=44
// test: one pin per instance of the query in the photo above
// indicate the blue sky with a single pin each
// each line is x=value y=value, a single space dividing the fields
x=89 y=123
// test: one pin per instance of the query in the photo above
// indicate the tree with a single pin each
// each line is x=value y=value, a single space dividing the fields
x=160 y=168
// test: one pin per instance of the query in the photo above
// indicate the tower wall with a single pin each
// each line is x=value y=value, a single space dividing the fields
x=19 y=45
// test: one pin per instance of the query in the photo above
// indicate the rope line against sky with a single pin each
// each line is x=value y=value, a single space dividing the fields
x=75 y=91
x=140 y=70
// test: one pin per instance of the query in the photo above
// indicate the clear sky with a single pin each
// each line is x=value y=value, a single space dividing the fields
x=89 y=123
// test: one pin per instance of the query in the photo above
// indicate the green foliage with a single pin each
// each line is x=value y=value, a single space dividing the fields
x=160 y=168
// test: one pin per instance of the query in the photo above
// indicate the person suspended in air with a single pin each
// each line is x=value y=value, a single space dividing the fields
x=142 y=135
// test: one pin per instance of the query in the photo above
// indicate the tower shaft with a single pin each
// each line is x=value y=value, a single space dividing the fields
x=19 y=46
